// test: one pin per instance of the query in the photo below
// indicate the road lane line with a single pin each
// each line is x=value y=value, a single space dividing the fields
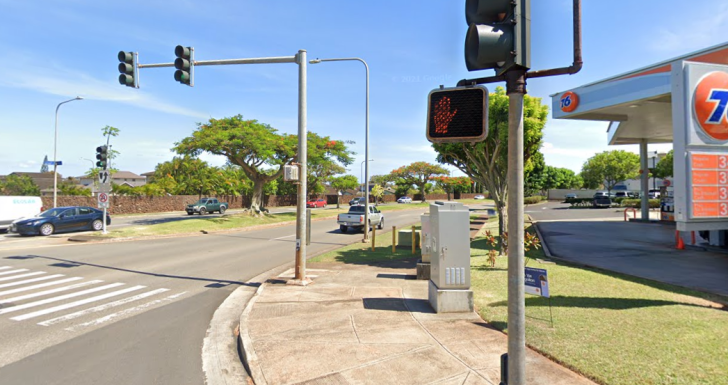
x=56 y=299
x=51 y=291
x=31 y=280
x=287 y=236
x=103 y=307
x=13 y=271
x=77 y=303
x=4 y=267
x=22 y=276
x=38 y=286
x=109 y=317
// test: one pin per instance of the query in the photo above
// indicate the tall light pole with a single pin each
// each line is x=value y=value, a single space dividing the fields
x=366 y=141
x=55 y=157
x=364 y=183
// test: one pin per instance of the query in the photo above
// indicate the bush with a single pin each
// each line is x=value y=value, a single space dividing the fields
x=580 y=201
x=637 y=203
x=533 y=200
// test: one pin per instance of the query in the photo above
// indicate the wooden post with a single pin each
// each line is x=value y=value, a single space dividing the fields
x=394 y=239
x=374 y=236
x=413 y=239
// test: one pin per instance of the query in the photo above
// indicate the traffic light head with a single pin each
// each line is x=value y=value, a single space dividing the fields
x=128 y=70
x=499 y=34
x=185 y=65
x=102 y=155
x=457 y=114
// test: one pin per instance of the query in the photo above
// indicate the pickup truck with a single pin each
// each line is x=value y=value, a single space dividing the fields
x=206 y=205
x=355 y=218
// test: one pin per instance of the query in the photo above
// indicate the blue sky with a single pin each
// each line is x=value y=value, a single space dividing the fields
x=52 y=51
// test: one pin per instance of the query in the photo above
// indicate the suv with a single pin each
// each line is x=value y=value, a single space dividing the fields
x=624 y=194
x=601 y=194
x=357 y=201
x=653 y=194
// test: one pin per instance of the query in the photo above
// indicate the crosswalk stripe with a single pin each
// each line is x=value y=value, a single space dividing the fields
x=31 y=280
x=4 y=267
x=103 y=307
x=13 y=271
x=51 y=291
x=38 y=286
x=109 y=317
x=59 y=298
x=77 y=303
x=22 y=276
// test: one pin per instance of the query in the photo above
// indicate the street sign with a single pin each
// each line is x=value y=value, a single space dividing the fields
x=103 y=200
x=104 y=177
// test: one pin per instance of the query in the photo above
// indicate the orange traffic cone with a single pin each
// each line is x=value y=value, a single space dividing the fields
x=680 y=243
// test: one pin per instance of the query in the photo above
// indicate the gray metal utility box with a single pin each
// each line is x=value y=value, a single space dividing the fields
x=426 y=250
x=450 y=241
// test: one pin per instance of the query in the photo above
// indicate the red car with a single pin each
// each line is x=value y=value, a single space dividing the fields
x=316 y=203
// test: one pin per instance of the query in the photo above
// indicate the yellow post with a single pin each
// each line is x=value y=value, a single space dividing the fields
x=394 y=239
x=413 y=239
x=374 y=236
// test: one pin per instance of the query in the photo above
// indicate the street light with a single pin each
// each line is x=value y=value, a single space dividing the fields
x=366 y=141
x=55 y=157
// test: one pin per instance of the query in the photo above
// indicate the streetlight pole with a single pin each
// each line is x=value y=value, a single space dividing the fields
x=366 y=141
x=364 y=182
x=55 y=157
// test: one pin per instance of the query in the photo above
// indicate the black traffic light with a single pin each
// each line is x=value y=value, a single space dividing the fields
x=499 y=34
x=185 y=64
x=129 y=73
x=102 y=155
x=457 y=114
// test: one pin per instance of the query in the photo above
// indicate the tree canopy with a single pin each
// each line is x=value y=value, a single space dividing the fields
x=663 y=168
x=609 y=168
x=418 y=174
x=486 y=162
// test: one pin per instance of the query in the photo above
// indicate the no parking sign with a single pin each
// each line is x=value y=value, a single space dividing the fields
x=103 y=200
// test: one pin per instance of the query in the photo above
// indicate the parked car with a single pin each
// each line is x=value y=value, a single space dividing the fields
x=404 y=200
x=653 y=194
x=601 y=194
x=17 y=207
x=316 y=203
x=602 y=201
x=206 y=205
x=61 y=219
x=355 y=218
x=479 y=197
x=624 y=194
x=357 y=201
x=570 y=196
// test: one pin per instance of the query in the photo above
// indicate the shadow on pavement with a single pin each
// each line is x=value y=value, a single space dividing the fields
x=599 y=302
x=398 y=304
x=216 y=283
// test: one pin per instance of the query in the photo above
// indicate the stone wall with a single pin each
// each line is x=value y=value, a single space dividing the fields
x=139 y=205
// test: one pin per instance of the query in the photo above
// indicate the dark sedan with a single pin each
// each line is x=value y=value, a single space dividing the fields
x=61 y=219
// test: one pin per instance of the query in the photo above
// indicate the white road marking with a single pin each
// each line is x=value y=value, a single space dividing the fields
x=56 y=299
x=101 y=307
x=31 y=280
x=109 y=317
x=51 y=291
x=4 y=267
x=22 y=276
x=287 y=236
x=77 y=303
x=38 y=286
x=13 y=271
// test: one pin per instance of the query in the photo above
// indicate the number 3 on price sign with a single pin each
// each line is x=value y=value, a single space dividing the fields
x=724 y=209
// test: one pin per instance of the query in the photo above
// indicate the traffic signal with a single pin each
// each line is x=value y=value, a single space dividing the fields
x=185 y=64
x=129 y=72
x=458 y=114
x=102 y=155
x=499 y=34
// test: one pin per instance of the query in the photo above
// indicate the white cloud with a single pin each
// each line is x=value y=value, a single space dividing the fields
x=695 y=32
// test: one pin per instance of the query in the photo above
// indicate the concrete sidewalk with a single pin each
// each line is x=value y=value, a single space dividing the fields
x=372 y=324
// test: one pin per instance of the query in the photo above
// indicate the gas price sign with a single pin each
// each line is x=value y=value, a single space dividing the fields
x=708 y=176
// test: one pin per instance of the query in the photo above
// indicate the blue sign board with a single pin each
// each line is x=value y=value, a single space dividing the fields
x=537 y=282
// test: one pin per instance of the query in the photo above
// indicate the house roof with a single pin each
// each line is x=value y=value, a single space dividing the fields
x=125 y=174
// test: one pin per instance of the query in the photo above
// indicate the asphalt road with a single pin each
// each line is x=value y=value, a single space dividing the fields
x=133 y=312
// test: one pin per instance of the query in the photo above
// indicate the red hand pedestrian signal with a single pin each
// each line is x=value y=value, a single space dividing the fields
x=457 y=115
x=443 y=115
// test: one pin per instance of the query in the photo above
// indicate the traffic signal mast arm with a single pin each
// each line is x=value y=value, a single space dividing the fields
x=262 y=60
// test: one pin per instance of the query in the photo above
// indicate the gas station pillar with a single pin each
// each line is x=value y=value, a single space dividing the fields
x=644 y=181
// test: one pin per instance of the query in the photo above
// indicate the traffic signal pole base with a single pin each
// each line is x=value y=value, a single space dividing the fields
x=299 y=282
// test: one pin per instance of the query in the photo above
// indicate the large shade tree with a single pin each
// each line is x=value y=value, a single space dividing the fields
x=609 y=168
x=486 y=162
x=418 y=174
x=326 y=158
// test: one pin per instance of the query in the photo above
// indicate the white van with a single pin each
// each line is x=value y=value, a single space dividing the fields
x=16 y=207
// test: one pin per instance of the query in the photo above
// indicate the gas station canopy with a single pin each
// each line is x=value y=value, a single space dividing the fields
x=637 y=103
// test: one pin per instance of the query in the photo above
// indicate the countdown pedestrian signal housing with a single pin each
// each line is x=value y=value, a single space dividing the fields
x=458 y=114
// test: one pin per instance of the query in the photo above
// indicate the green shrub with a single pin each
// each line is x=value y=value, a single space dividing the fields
x=533 y=200
x=578 y=202
x=637 y=203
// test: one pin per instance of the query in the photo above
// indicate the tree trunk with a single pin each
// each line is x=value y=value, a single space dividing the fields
x=502 y=224
x=256 y=199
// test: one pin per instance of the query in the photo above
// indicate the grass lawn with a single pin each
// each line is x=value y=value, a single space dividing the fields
x=612 y=328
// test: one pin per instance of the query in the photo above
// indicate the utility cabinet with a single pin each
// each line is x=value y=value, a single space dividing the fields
x=450 y=241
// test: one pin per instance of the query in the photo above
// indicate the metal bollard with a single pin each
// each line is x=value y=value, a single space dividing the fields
x=413 y=239
x=394 y=239
x=374 y=236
